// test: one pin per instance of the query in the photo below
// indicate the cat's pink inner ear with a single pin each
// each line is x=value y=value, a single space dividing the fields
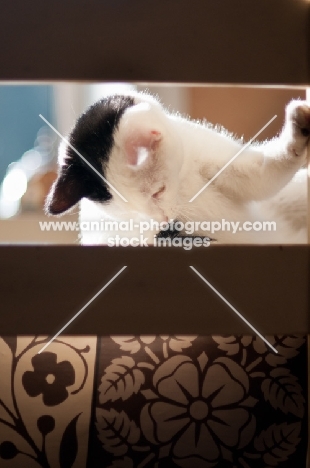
x=139 y=146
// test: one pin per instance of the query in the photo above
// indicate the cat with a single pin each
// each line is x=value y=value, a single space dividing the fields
x=147 y=163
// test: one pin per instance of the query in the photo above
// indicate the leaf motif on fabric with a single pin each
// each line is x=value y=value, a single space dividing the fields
x=275 y=360
x=227 y=343
x=127 y=343
x=6 y=361
x=132 y=344
x=283 y=392
x=116 y=431
x=179 y=342
x=69 y=445
x=278 y=442
x=287 y=345
x=121 y=380
x=260 y=346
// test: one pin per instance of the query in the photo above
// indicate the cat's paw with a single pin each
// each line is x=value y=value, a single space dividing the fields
x=298 y=123
x=299 y=113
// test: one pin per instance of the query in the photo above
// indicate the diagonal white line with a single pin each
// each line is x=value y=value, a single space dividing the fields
x=232 y=159
x=234 y=309
x=82 y=157
x=81 y=310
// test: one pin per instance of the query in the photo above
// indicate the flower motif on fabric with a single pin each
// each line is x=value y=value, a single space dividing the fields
x=199 y=408
x=202 y=402
x=49 y=378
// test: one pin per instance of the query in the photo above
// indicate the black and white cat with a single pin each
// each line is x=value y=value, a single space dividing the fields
x=158 y=161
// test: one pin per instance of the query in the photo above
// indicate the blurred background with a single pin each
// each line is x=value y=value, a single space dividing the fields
x=28 y=147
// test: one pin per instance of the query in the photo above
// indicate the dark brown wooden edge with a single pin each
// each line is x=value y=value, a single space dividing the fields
x=177 y=41
x=42 y=287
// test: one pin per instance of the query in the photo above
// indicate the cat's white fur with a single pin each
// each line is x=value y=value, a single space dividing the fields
x=153 y=148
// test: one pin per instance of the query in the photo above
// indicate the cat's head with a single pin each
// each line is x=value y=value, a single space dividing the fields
x=122 y=147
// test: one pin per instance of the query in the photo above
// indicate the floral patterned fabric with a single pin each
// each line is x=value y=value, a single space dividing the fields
x=200 y=402
x=45 y=401
x=153 y=401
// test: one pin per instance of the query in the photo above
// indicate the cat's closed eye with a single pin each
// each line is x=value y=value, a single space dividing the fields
x=159 y=192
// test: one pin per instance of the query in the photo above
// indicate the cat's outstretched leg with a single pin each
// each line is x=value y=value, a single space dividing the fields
x=263 y=170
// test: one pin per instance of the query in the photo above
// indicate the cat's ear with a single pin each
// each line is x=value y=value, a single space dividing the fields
x=66 y=192
x=141 y=145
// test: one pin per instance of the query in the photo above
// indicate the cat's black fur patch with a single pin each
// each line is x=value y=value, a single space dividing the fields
x=92 y=137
